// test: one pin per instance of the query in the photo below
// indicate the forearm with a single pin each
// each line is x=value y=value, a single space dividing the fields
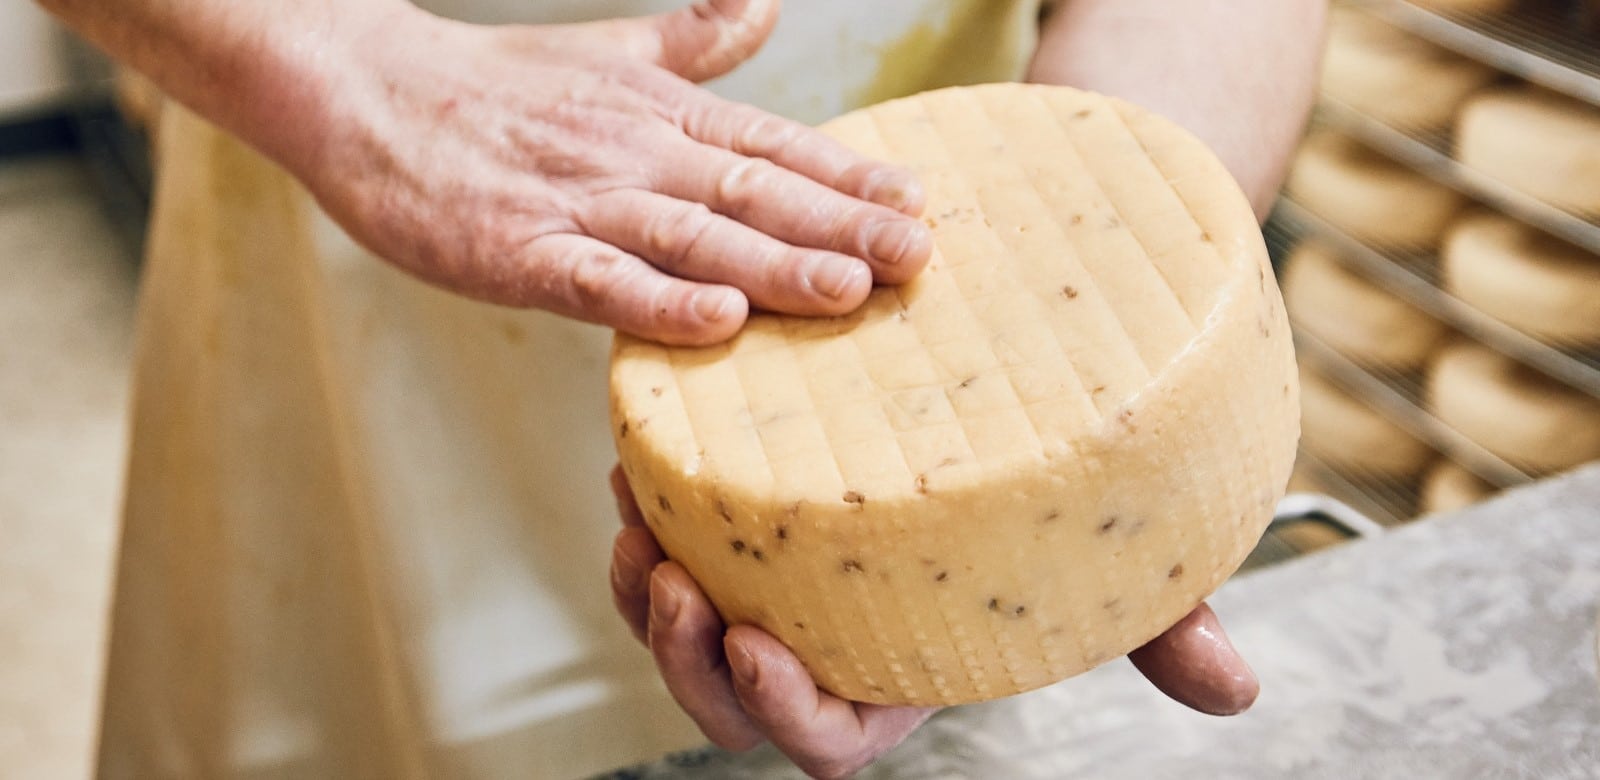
x=261 y=70
x=1240 y=74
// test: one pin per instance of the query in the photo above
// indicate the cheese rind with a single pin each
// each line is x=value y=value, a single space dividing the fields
x=1541 y=143
x=1512 y=411
x=1033 y=458
x=1448 y=487
x=1369 y=195
x=1525 y=278
x=1351 y=314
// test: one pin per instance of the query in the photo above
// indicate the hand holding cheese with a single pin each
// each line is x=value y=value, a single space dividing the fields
x=743 y=687
x=1035 y=457
x=573 y=168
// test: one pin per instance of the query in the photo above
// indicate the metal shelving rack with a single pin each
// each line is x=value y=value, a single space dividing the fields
x=1542 y=43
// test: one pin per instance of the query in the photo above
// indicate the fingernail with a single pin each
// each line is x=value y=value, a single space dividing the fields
x=743 y=663
x=626 y=572
x=665 y=603
x=896 y=189
x=893 y=241
x=834 y=276
x=710 y=304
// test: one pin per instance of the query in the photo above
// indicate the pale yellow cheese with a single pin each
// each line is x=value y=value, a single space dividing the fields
x=1512 y=411
x=1369 y=195
x=1393 y=76
x=1448 y=486
x=1033 y=458
x=1524 y=277
x=1350 y=435
x=1541 y=143
x=1351 y=314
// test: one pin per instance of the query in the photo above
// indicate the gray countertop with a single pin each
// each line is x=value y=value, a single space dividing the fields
x=1459 y=646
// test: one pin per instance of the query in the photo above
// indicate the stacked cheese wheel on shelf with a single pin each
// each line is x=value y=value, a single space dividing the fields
x=1351 y=314
x=1394 y=76
x=1369 y=195
x=1525 y=278
x=1543 y=144
x=1449 y=486
x=1350 y=435
x=1033 y=458
x=1512 y=411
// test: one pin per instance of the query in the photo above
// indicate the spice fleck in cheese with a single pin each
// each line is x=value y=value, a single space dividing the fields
x=1033 y=458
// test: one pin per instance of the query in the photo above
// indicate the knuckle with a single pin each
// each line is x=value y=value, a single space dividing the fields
x=673 y=233
x=596 y=275
x=745 y=182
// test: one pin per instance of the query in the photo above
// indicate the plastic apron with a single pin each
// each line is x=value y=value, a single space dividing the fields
x=367 y=528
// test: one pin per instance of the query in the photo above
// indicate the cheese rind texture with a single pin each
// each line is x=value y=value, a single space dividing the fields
x=1033 y=458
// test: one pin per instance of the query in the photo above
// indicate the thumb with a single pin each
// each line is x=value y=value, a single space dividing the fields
x=702 y=41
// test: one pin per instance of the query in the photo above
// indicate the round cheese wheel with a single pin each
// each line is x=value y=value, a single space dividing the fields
x=1448 y=487
x=1369 y=195
x=1393 y=76
x=1351 y=314
x=1525 y=278
x=1541 y=143
x=972 y=486
x=1350 y=435
x=1512 y=411
x=1468 y=6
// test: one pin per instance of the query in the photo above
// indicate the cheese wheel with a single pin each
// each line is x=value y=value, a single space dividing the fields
x=1448 y=487
x=1369 y=195
x=1033 y=458
x=1393 y=76
x=1351 y=314
x=1512 y=411
x=1541 y=143
x=1348 y=434
x=1468 y=6
x=1307 y=536
x=1523 y=277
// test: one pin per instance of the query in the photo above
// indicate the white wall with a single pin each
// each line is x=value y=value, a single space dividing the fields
x=32 y=72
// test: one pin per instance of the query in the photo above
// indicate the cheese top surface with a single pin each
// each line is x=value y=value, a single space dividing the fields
x=989 y=478
x=1352 y=314
x=1537 y=141
x=1526 y=278
x=1368 y=194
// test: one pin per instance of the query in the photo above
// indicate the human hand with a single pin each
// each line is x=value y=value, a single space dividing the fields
x=743 y=687
x=577 y=169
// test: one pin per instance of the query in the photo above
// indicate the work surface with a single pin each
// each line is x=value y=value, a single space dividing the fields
x=1458 y=646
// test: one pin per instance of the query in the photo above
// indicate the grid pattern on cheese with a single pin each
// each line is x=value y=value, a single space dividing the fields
x=1032 y=458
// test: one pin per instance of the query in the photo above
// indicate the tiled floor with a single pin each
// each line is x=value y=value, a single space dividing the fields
x=66 y=314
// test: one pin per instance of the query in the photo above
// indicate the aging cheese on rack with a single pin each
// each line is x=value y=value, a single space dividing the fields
x=1393 y=76
x=1351 y=314
x=1541 y=143
x=1033 y=458
x=1448 y=486
x=1525 y=278
x=1350 y=435
x=1512 y=411
x=1468 y=6
x=1369 y=195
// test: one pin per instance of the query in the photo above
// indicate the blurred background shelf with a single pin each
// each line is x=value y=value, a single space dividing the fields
x=1545 y=43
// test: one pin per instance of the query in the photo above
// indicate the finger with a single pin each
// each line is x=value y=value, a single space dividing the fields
x=580 y=277
x=686 y=638
x=1196 y=665
x=687 y=240
x=634 y=555
x=824 y=735
x=749 y=131
x=795 y=209
x=627 y=507
x=699 y=42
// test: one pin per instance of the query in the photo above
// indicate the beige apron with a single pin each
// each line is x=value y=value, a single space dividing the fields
x=367 y=527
